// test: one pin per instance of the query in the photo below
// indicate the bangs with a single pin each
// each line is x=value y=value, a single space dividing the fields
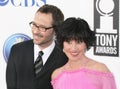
x=74 y=32
x=76 y=36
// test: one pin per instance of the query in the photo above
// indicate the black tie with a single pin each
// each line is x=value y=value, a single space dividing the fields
x=38 y=63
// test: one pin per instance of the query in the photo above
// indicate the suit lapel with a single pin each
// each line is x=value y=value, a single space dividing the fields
x=30 y=57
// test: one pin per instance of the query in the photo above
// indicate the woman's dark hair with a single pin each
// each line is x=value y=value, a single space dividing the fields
x=75 y=29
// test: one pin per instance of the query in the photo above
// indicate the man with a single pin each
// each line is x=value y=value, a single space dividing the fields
x=20 y=72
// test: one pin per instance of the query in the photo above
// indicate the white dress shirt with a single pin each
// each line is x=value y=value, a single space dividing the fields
x=47 y=51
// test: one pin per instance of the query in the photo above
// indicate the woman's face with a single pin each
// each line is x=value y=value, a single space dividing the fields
x=73 y=49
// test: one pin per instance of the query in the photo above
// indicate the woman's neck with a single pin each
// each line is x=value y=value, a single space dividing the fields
x=76 y=64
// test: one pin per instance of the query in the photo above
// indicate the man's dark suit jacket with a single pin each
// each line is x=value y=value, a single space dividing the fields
x=20 y=67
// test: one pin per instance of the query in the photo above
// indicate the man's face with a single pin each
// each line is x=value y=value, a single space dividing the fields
x=43 y=37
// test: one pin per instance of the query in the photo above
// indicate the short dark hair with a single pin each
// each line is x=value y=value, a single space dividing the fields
x=57 y=14
x=75 y=29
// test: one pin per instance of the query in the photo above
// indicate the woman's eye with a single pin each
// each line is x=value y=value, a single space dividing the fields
x=68 y=42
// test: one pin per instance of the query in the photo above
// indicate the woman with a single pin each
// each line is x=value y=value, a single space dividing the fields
x=80 y=72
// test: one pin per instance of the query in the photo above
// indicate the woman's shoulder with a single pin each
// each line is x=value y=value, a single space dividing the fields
x=56 y=72
x=98 y=66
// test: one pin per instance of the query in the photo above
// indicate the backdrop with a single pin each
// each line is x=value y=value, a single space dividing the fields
x=102 y=16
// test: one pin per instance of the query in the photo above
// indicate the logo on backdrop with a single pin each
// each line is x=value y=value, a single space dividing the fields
x=106 y=26
x=13 y=39
x=23 y=3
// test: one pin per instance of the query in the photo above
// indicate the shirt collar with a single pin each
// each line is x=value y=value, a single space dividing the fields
x=47 y=51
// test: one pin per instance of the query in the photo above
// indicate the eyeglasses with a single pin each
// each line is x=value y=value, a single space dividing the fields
x=40 y=28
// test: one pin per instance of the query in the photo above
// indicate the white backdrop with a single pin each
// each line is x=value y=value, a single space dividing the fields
x=15 y=19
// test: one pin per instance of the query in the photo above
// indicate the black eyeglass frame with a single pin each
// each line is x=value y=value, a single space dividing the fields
x=39 y=27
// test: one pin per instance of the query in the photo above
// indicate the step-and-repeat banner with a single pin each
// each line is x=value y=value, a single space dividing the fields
x=103 y=17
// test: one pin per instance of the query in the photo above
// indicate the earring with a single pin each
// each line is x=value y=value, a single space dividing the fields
x=63 y=50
